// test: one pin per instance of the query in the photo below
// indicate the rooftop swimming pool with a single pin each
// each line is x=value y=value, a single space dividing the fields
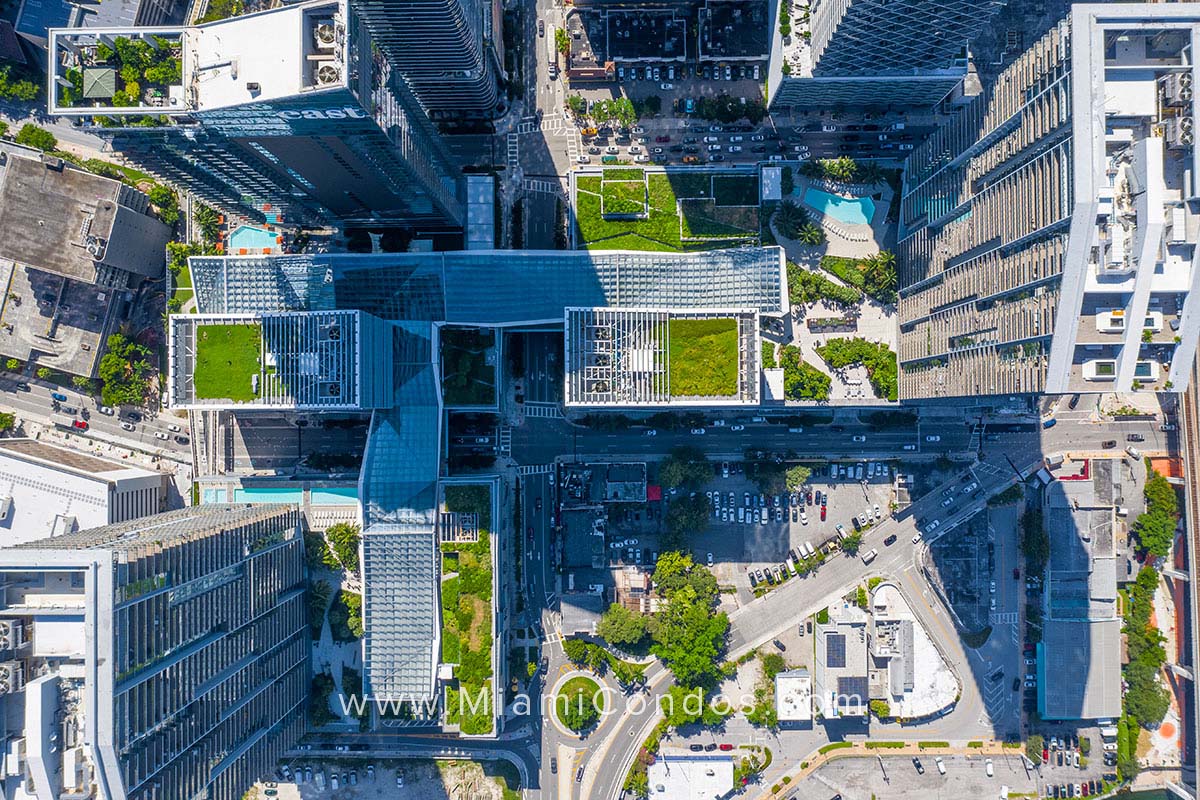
x=268 y=494
x=333 y=496
x=247 y=237
x=850 y=210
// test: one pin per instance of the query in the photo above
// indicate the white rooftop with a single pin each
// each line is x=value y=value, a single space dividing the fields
x=934 y=686
x=46 y=489
x=256 y=58
x=793 y=696
x=682 y=775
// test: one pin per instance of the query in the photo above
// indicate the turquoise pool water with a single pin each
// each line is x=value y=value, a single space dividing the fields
x=214 y=496
x=852 y=211
x=251 y=238
x=265 y=494
x=333 y=496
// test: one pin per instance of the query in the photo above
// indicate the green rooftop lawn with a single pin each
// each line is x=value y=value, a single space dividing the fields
x=736 y=190
x=661 y=228
x=624 y=197
x=226 y=358
x=703 y=357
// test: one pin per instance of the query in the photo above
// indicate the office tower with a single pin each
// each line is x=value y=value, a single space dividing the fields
x=1047 y=237
x=445 y=49
x=882 y=52
x=289 y=116
x=161 y=657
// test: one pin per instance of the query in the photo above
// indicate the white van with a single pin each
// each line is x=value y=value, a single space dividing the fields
x=1133 y=452
x=941 y=765
x=867 y=558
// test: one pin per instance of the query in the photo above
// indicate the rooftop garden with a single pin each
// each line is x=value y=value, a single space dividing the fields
x=130 y=73
x=228 y=356
x=703 y=357
x=878 y=358
x=467 y=614
x=468 y=366
x=875 y=275
x=678 y=211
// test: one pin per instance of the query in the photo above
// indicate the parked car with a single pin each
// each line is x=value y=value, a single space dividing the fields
x=80 y=425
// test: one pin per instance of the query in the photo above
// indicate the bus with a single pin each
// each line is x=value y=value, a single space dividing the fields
x=552 y=52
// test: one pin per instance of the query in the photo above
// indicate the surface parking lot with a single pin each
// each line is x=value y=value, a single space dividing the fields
x=738 y=547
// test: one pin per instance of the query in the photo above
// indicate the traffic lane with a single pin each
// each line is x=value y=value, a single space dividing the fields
x=37 y=405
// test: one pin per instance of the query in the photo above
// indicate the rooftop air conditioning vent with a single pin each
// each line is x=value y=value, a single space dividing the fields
x=12 y=677
x=328 y=74
x=325 y=34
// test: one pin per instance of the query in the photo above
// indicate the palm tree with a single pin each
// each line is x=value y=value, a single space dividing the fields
x=840 y=169
x=810 y=235
x=870 y=173
x=812 y=169
x=879 y=275
x=790 y=218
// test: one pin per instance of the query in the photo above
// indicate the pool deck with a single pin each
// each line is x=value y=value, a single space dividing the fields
x=848 y=239
x=315 y=497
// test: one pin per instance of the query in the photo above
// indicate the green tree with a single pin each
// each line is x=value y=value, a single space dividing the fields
x=623 y=111
x=343 y=541
x=1033 y=748
x=166 y=201
x=802 y=381
x=787 y=182
x=686 y=516
x=810 y=234
x=126 y=370
x=790 y=218
x=879 y=276
x=852 y=543
x=1035 y=542
x=683 y=706
x=796 y=477
x=839 y=169
x=44 y=373
x=12 y=365
x=81 y=383
x=7 y=421
x=686 y=467
x=688 y=636
x=577 y=105
x=31 y=135
x=576 y=650
x=881 y=709
x=209 y=222
x=860 y=597
x=562 y=41
x=621 y=627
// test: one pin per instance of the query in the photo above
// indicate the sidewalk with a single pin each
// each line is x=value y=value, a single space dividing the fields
x=990 y=747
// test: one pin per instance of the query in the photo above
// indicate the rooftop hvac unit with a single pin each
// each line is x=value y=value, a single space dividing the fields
x=1177 y=89
x=12 y=634
x=96 y=247
x=325 y=34
x=1179 y=133
x=328 y=74
x=12 y=677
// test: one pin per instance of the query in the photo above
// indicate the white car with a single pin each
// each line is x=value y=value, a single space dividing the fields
x=877 y=514
x=652 y=432
x=735 y=138
x=987 y=768
x=859 y=438
x=972 y=486
x=106 y=410
x=127 y=426
x=633 y=148
x=666 y=87
x=161 y=435
x=642 y=159
x=932 y=526
x=909 y=447
x=803 y=518
x=710 y=559
x=916 y=538
x=933 y=438
x=735 y=148
x=828 y=128
x=584 y=159
x=736 y=428
x=697 y=431
x=992 y=587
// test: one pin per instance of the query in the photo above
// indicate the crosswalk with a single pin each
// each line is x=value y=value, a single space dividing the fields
x=535 y=469
x=504 y=440
x=1004 y=617
x=539 y=185
x=543 y=410
x=513 y=150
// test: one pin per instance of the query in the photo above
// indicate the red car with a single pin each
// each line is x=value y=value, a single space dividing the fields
x=822 y=513
x=80 y=424
x=1045 y=755
x=726 y=748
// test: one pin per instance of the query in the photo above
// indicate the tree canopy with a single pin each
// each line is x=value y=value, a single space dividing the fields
x=621 y=627
x=688 y=637
x=685 y=516
x=686 y=467
x=796 y=477
x=1155 y=527
x=126 y=371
